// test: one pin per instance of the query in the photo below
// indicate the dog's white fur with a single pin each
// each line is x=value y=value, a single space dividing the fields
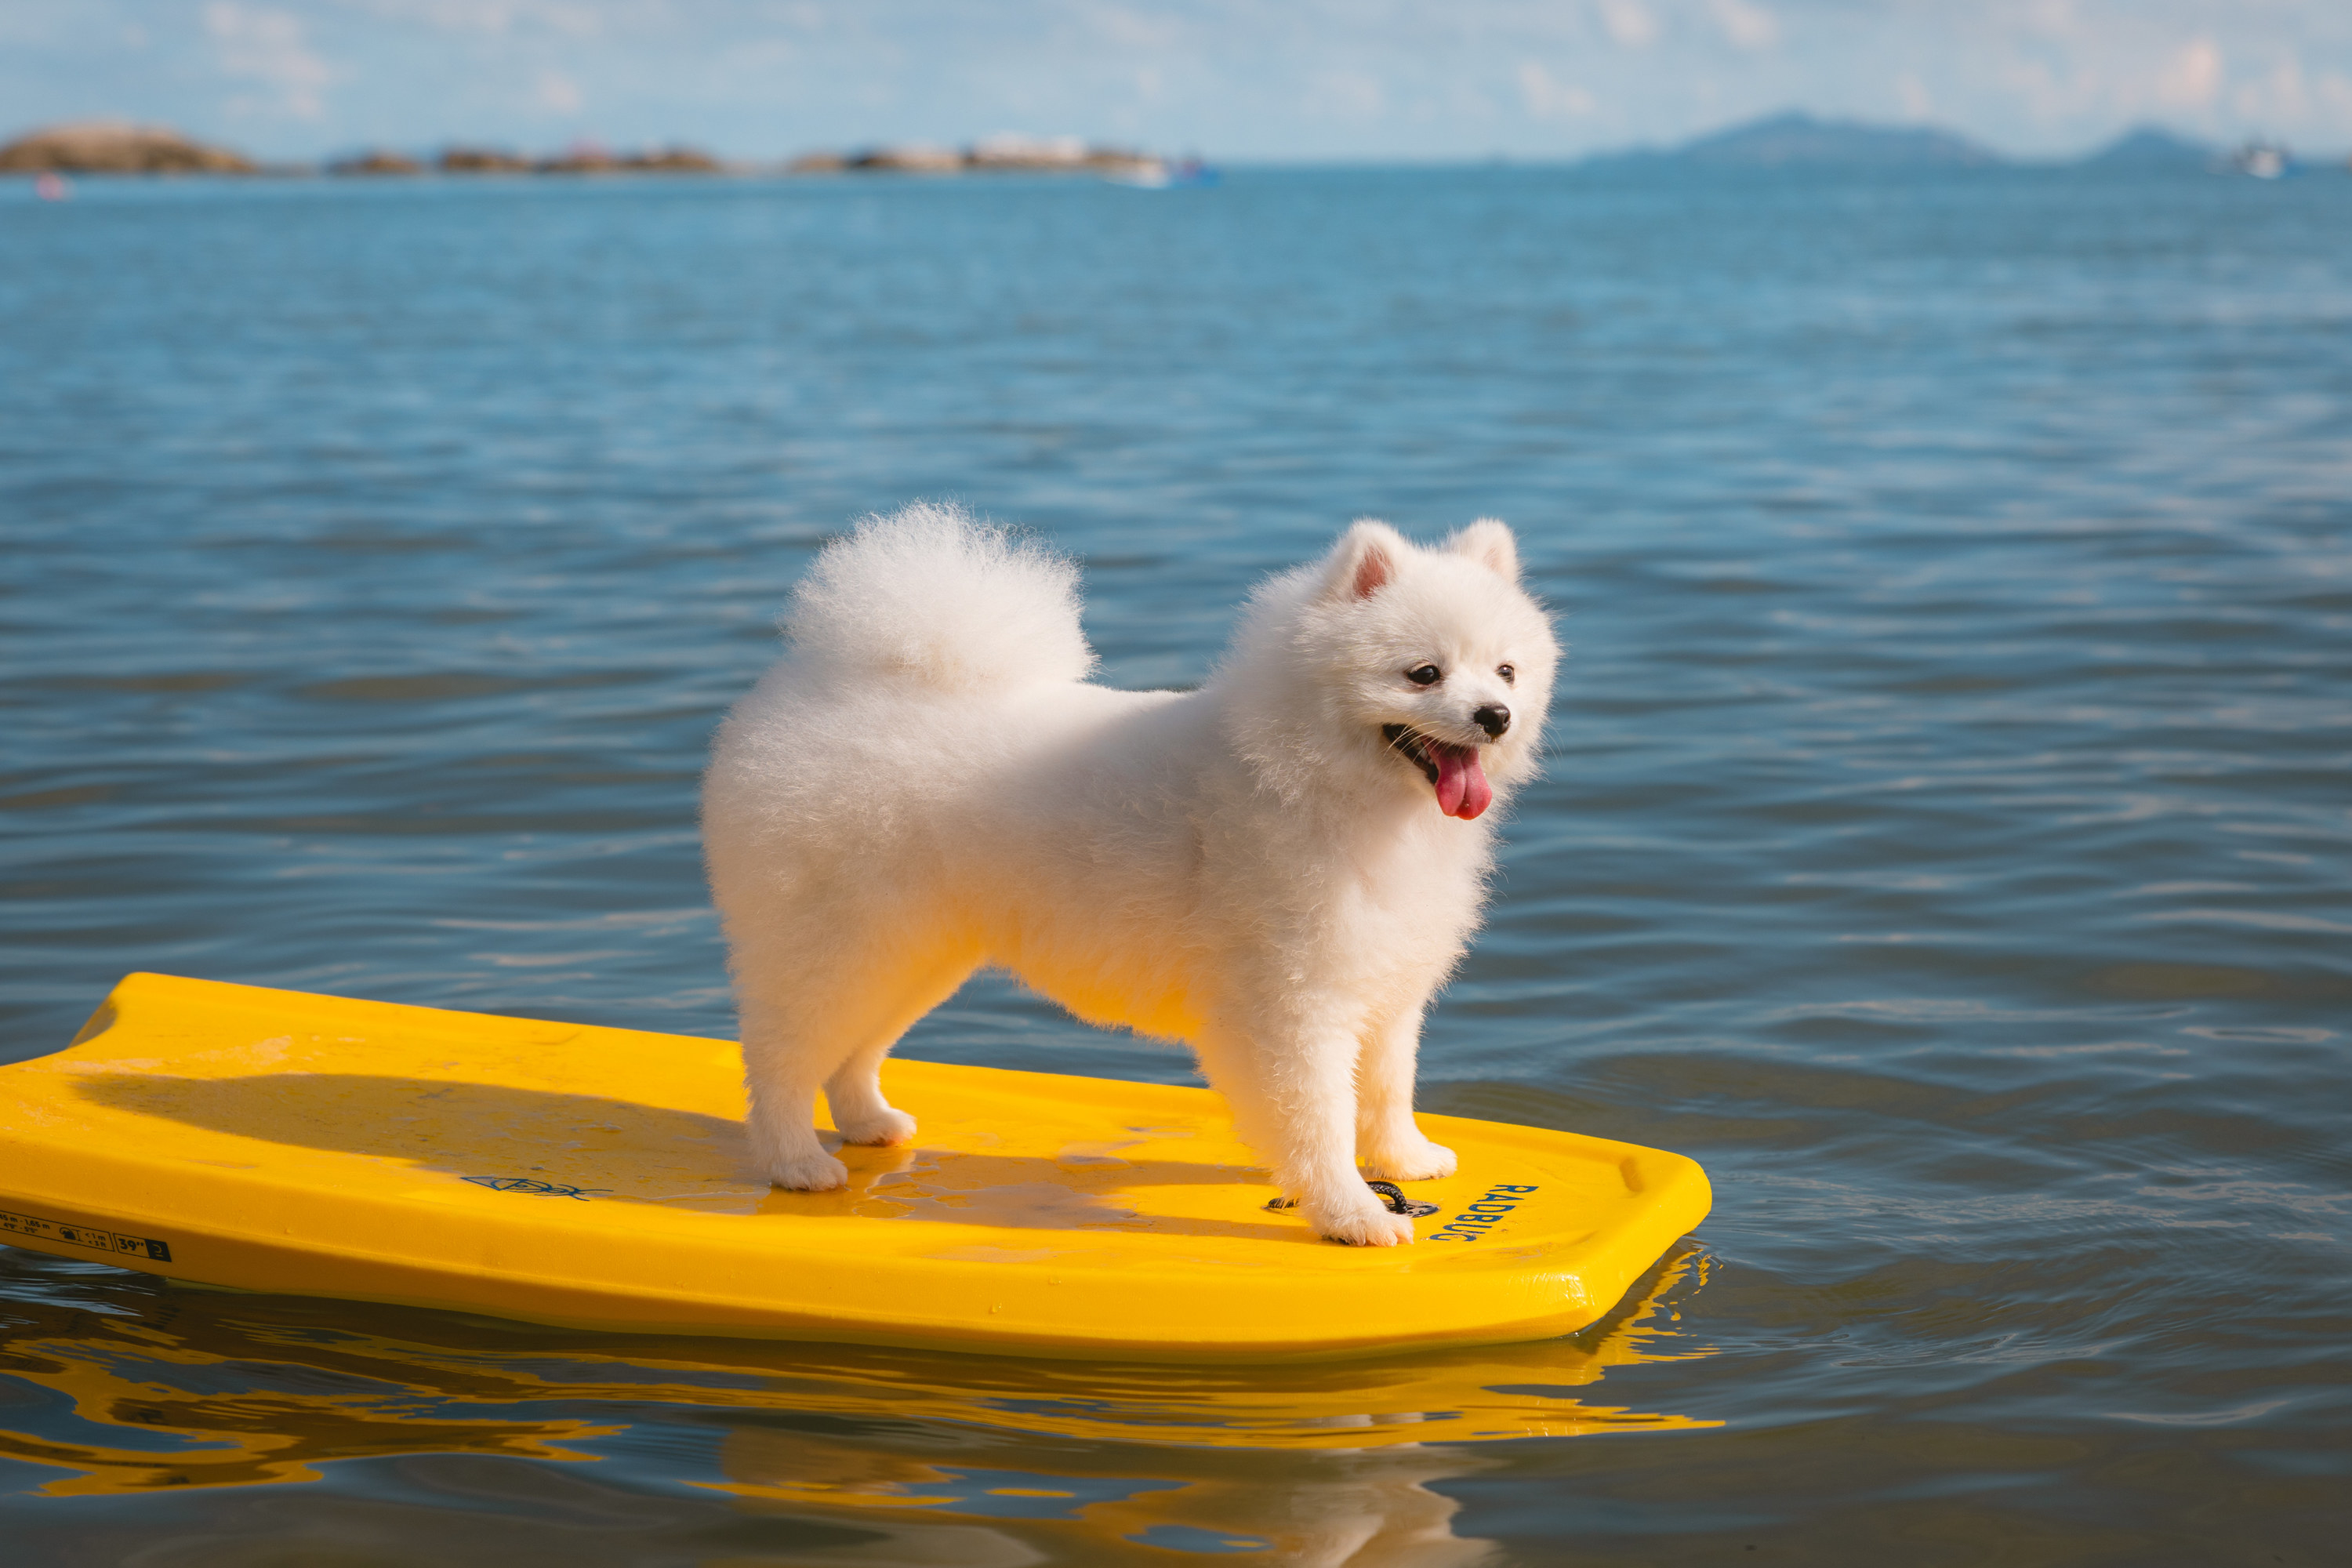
x=928 y=783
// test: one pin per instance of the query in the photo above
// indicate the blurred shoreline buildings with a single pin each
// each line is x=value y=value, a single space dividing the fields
x=1002 y=154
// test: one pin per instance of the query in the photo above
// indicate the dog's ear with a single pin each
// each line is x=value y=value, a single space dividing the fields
x=1364 y=562
x=1489 y=543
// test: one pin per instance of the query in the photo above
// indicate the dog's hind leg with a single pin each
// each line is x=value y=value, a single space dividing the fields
x=853 y=1091
x=860 y=1112
x=829 y=1028
x=1388 y=1141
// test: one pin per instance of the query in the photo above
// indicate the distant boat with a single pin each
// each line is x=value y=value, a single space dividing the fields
x=50 y=186
x=1159 y=175
x=1142 y=174
x=2263 y=160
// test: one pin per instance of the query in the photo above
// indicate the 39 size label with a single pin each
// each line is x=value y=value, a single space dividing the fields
x=1473 y=1223
x=32 y=1227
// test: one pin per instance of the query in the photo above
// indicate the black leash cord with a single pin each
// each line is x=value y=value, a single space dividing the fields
x=1393 y=1195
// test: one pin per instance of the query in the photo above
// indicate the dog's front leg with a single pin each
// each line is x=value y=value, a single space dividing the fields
x=1293 y=1095
x=782 y=1082
x=1386 y=1139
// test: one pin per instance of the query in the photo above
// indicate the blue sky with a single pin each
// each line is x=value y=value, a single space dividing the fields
x=1306 y=79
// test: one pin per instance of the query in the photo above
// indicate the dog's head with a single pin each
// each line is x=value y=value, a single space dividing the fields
x=1433 y=667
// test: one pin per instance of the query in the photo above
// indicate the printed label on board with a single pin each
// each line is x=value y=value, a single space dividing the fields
x=531 y=1186
x=31 y=1227
x=1474 y=1222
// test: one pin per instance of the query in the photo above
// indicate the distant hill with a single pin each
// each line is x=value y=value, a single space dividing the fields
x=106 y=147
x=2152 y=147
x=1802 y=141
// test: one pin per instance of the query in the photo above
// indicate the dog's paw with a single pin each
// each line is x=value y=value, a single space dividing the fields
x=880 y=1131
x=1372 y=1225
x=1424 y=1162
x=818 y=1173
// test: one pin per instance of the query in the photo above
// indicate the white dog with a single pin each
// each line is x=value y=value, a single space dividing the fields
x=1278 y=868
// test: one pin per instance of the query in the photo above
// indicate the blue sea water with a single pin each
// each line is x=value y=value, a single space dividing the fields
x=1948 y=837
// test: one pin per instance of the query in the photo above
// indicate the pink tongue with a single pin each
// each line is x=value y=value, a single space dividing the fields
x=1462 y=787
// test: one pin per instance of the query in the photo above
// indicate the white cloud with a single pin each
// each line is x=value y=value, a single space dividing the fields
x=269 y=47
x=491 y=16
x=1548 y=100
x=1347 y=95
x=2049 y=18
x=557 y=93
x=1629 y=23
x=1748 y=26
x=1128 y=27
x=2335 y=91
x=2192 y=77
x=2275 y=97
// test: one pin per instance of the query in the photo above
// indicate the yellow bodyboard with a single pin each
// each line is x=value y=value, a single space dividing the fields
x=274 y=1141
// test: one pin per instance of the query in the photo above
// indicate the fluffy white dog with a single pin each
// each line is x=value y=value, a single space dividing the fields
x=1278 y=868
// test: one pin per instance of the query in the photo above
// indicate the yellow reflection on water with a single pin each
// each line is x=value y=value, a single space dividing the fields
x=1364 y=1507
x=213 y=1389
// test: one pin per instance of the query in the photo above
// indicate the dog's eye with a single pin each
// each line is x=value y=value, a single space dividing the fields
x=1427 y=675
x=1508 y=672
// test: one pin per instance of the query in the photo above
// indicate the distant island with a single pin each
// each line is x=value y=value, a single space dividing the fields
x=2153 y=147
x=108 y=147
x=585 y=160
x=1798 y=140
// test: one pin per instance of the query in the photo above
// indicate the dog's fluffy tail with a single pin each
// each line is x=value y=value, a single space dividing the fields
x=930 y=594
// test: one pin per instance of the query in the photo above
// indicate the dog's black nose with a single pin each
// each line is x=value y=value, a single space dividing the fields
x=1494 y=719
